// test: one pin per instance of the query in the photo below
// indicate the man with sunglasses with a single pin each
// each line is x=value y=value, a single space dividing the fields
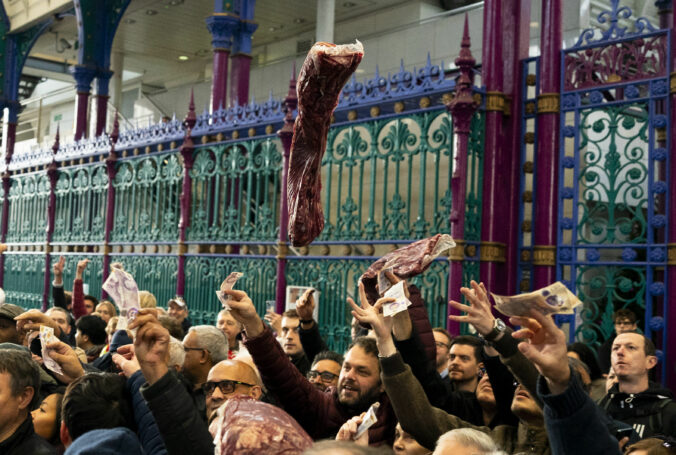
x=325 y=370
x=226 y=379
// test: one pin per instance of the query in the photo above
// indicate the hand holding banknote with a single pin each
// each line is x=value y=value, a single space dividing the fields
x=553 y=299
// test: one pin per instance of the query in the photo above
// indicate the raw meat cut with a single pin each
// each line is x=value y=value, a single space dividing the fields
x=246 y=426
x=406 y=262
x=325 y=71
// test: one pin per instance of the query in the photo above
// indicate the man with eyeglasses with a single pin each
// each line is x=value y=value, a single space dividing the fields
x=442 y=341
x=229 y=378
x=625 y=322
x=325 y=370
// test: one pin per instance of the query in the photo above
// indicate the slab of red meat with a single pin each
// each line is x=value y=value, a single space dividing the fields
x=406 y=262
x=245 y=426
x=325 y=71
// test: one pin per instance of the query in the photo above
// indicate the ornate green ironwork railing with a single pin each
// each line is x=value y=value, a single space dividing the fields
x=205 y=273
x=147 y=199
x=28 y=198
x=24 y=278
x=236 y=191
x=92 y=276
x=80 y=204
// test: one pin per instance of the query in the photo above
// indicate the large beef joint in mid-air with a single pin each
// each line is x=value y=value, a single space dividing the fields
x=325 y=71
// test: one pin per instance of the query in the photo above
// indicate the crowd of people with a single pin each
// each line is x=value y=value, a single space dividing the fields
x=252 y=385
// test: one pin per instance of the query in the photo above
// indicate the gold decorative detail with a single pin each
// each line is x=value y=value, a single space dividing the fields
x=495 y=101
x=525 y=255
x=375 y=111
x=661 y=134
x=530 y=80
x=507 y=108
x=352 y=115
x=262 y=249
x=492 y=252
x=172 y=145
x=614 y=78
x=324 y=250
x=212 y=249
x=447 y=98
x=252 y=132
x=526 y=226
x=530 y=107
x=219 y=137
x=398 y=107
x=48 y=248
x=369 y=250
x=333 y=119
x=282 y=250
x=182 y=249
x=91 y=159
x=470 y=251
x=268 y=129
x=304 y=251
x=347 y=250
x=529 y=138
x=671 y=253
x=548 y=103
x=81 y=161
x=147 y=150
x=235 y=134
x=229 y=249
x=160 y=147
x=204 y=139
x=544 y=255
x=527 y=196
x=477 y=98
x=107 y=249
x=524 y=285
x=424 y=102
x=457 y=253
x=672 y=83
x=528 y=167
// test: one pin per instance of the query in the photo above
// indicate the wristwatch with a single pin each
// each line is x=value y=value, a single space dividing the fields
x=498 y=328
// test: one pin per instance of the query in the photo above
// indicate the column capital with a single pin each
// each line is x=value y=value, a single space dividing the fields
x=103 y=82
x=222 y=28
x=83 y=77
x=242 y=41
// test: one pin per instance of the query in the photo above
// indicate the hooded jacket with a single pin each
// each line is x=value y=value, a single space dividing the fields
x=650 y=412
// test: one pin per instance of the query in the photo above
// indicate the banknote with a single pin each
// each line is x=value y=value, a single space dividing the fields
x=401 y=302
x=384 y=283
x=553 y=299
x=122 y=288
x=47 y=336
x=227 y=285
x=368 y=420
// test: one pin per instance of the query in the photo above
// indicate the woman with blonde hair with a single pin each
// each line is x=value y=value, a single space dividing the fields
x=106 y=310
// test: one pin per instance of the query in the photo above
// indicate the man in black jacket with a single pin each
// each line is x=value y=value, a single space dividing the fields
x=19 y=385
x=635 y=400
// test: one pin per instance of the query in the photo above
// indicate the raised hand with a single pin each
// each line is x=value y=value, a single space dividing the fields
x=348 y=431
x=305 y=305
x=372 y=314
x=275 y=321
x=67 y=359
x=81 y=266
x=478 y=311
x=546 y=348
x=126 y=360
x=58 y=270
x=151 y=345
x=242 y=309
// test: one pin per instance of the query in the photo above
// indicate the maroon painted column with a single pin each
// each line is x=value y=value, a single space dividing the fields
x=111 y=171
x=83 y=79
x=7 y=182
x=670 y=317
x=186 y=193
x=462 y=108
x=494 y=205
x=222 y=26
x=515 y=39
x=53 y=175
x=102 y=83
x=241 y=62
x=547 y=169
x=285 y=135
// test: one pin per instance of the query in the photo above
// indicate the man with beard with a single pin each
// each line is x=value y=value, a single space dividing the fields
x=325 y=370
x=320 y=413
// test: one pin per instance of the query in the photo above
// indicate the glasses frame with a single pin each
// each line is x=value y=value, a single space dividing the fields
x=215 y=384
x=314 y=373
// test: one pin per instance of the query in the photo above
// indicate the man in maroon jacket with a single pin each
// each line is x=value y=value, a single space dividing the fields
x=320 y=413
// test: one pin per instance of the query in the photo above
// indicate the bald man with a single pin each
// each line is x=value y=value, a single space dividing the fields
x=228 y=378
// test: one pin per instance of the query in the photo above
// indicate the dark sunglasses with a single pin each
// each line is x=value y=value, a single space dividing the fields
x=325 y=375
x=225 y=387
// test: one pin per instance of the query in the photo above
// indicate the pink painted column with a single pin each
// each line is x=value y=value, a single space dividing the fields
x=494 y=198
x=285 y=135
x=515 y=39
x=222 y=26
x=547 y=160
x=241 y=62
x=186 y=193
x=53 y=175
x=102 y=83
x=83 y=79
x=670 y=317
x=462 y=108
x=111 y=171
